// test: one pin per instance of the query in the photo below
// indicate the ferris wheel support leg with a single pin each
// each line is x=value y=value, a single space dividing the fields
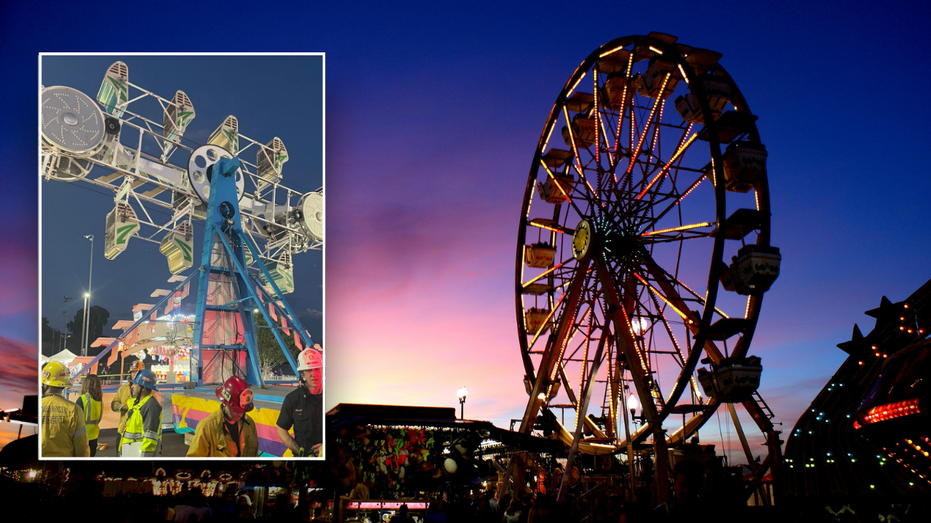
x=237 y=256
x=581 y=410
x=223 y=215
x=775 y=464
x=751 y=463
x=302 y=332
x=661 y=465
x=249 y=287
x=630 y=460
x=553 y=349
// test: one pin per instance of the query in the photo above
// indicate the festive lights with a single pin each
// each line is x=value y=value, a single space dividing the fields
x=894 y=410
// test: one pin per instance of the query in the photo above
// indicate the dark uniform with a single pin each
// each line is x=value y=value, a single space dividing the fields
x=303 y=411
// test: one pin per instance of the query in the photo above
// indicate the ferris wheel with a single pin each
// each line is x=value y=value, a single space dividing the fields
x=643 y=249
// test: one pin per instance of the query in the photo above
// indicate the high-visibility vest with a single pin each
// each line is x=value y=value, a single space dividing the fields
x=92 y=414
x=144 y=424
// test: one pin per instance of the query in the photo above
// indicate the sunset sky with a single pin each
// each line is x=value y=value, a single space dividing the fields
x=432 y=117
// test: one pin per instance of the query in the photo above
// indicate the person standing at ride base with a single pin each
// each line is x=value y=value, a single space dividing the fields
x=120 y=400
x=228 y=432
x=142 y=432
x=90 y=403
x=63 y=432
x=303 y=408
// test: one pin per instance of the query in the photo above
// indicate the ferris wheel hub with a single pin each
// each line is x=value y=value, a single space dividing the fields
x=582 y=240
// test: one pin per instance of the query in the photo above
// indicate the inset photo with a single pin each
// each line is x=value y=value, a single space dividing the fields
x=181 y=256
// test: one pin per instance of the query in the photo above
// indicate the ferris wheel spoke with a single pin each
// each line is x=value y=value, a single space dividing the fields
x=665 y=169
x=635 y=153
x=620 y=120
x=664 y=236
x=575 y=152
x=673 y=283
x=549 y=271
x=678 y=199
x=680 y=358
x=598 y=124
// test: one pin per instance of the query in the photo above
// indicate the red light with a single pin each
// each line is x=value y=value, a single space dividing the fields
x=892 y=411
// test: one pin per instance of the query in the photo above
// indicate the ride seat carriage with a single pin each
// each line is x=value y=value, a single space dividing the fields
x=540 y=255
x=733 y=380
x=718 y=92
x=618 y=91
x=555 y=189
x=753 y=270
x=535 y=319
x=651 y=81
x=583 y=129
x=744 y=166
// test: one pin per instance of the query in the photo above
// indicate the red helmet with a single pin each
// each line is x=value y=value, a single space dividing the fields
x=236 y=394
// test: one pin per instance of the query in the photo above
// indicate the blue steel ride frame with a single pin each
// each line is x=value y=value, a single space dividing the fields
x=224 y=221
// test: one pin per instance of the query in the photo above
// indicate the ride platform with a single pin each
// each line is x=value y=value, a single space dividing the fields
x=183 y=409
x=190 y=406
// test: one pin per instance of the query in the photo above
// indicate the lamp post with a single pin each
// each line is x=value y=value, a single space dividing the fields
x=83 y=339
x=87 y=296
x=462 y=397
x=633 y=405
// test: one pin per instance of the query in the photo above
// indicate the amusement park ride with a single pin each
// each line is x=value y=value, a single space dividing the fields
x=630 y=213
x=253 y=224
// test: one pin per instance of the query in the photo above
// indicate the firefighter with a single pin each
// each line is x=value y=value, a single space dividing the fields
x=90 y=403
x=63 y=432
x=120 y=400
x=303 y=407
x=142 y=432
x=228 y=432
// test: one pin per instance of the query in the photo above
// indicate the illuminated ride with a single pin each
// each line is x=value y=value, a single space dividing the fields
x=644 y=249
x=253 y=223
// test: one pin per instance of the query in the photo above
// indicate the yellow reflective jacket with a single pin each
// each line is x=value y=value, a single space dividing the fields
x=63 y=432
x=212 y=440
x=144 y=424
x=121 y=398
x=92 y=414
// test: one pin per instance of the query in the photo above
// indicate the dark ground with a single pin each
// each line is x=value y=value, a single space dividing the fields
x=172 y=444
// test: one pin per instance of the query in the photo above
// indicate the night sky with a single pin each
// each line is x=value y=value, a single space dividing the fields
x=432 y=117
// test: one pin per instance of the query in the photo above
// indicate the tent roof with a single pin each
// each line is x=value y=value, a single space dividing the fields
x=65 y=356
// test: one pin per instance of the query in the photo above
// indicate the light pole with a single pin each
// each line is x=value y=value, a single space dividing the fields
x=83 y=340
x=462 y=397
x=633 y=405
x=87 y=296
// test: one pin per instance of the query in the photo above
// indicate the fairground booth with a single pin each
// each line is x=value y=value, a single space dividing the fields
x=388 y=456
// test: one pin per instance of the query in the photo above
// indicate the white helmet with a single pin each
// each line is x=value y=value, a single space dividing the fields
x=310 y=359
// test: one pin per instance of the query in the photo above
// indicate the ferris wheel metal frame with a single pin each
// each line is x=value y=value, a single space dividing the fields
x=253 y=223
x=616 y=303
